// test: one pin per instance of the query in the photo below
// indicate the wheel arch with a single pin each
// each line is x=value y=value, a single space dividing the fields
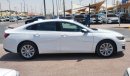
x=24 y=42
x=106 y=40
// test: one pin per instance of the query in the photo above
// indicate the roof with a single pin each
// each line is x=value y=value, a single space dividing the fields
x=54 y=20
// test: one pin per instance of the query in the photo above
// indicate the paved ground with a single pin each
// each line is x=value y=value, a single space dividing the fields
x=67 y=64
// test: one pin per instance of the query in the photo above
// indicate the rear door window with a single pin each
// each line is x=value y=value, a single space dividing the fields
x=47 y=26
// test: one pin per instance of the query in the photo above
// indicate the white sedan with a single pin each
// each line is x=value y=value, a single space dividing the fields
x=8 y=72
x=61 y=36
x=127 y=72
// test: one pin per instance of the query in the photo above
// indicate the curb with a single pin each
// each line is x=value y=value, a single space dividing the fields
x=123 y=27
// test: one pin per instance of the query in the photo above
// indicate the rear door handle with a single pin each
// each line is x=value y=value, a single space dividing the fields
x=36 y=35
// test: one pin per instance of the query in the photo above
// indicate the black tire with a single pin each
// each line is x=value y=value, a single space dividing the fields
x=33 y=52
x=27 y=22
x=102 y=52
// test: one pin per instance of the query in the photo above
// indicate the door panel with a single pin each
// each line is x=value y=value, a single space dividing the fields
x=46 y=36
x=72 y=40
x=47 y=41
x=76 y=42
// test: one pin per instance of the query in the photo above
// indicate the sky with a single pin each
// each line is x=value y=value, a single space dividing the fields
x=37 y=5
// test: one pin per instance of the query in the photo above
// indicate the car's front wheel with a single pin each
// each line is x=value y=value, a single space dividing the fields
x=28 y=50
x=106 y=48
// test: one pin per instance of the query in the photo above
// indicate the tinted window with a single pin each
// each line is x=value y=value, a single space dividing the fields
x=111 y=16
x=70 y=27
x=48 y=26
x=79 y=16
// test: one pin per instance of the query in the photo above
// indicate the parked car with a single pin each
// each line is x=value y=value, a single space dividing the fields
x=8 y=72
x=22 y=18
x=69 y=17
x=80 y=19
x=2 y=19
x=7 y=18
x=125 y=18
x=34 y=19
x=61 y=36
x=127 y=72
x=13 y=19
x=95 y=19
x=112 y=18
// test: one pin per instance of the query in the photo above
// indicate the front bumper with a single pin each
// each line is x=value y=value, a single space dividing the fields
x=121 y=46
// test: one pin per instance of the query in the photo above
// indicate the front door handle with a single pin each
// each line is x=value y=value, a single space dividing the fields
x=63 y=35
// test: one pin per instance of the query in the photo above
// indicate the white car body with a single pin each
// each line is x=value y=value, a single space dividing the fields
x=93 y=20
x=2 y=19
x=59 y=41
x=13 y=19
x=127 y=72
x=112 y=19
x=8 y=72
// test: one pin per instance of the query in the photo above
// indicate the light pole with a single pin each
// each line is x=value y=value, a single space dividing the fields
x=27 y=9
x=24 y=5
x=57 y=8
x=21 y=7
x=53 y=7
x=72 y=7
x=106 y=11
x=89 y=15
x=9 y=7
x=44 y=2
x=64 y=7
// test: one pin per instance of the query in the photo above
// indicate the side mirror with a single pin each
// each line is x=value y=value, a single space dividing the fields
x=84 y=30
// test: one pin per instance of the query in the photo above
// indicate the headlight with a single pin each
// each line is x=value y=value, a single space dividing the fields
x=120 y=38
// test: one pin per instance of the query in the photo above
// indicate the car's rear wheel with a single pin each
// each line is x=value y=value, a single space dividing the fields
x=28 y=50
x=106 y=48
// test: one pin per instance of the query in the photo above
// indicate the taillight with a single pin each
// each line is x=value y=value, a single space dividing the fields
x=6 y=35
